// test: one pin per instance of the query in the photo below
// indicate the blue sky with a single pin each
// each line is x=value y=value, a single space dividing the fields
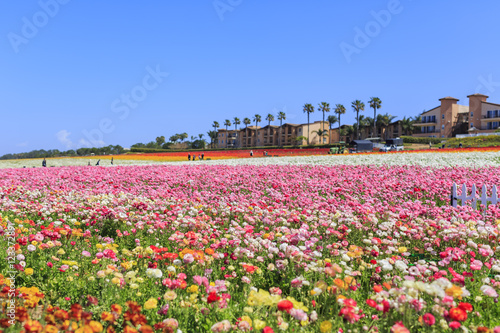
x=67 y=66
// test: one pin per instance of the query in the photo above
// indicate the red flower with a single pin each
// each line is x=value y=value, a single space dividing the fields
x=371 y=303
x=465 y=306
x=429 y=319
x=285 y=305
x=212 y=297
x=454 y=325
x=458 y=314
x=267 y=329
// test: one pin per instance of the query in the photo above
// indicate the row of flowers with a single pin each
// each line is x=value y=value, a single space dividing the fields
x=266 y=248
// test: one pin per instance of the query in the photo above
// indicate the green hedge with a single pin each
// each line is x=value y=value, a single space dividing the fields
x=412 y=139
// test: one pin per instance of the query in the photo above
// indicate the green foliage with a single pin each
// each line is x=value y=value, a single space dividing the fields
x=476 y=141
x=411 y=139
x=108 y=150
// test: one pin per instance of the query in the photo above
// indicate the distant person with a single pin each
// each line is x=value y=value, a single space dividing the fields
x=89 y=163
x=111 y=160
x=194 y=157
x=460 y=145
x=44 y=163
x=98 y=162
x=189 y=156
x=266 y=152
x=442 y=146
x=251 y=153
x=202 y=156
x=430 y=145
x=199 y=157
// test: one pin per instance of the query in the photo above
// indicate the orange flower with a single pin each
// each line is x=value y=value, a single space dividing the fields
x=61 y=315
x=116 y=309
x=106 y=316
x=129 y=329
x=50 y=329
x=209 y=251
x=377 y=288
x=339 y=283
x=387 y=285
x=96 y=326
x=146 y=329
x=33 y=326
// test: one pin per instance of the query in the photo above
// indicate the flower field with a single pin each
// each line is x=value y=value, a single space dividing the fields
x=293 y=244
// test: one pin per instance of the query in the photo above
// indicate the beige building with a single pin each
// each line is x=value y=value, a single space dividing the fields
x=484 y=117
x=443 y=121
x=271 y=135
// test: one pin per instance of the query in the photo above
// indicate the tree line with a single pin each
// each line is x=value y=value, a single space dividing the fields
x=108 y=150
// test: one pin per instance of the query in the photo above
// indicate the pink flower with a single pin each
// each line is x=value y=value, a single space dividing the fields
x=429 y=319
x=86 y=253
x=489 y=291
x=64 y=268
x=454 y=325
x=188 y=258
x=50 y=264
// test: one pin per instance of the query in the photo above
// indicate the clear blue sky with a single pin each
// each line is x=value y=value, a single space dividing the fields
x=69 y=73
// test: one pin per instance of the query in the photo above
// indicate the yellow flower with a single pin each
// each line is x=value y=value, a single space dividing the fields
x=402 y=249
x=151 y=304
x=192 y=289
x=247 y=319
x=115 y=280
x=454 y=291
x=69 y=278
x=99 y=246
x=60 y=252
x=34 y=242
x=259 y=324
x=325 y=326
x=304 y=322
x=28 y=271
x=134 y=286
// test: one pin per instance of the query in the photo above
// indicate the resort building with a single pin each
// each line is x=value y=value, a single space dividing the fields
x=271 y=135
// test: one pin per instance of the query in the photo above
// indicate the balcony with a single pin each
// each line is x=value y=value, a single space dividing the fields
x=427 y=123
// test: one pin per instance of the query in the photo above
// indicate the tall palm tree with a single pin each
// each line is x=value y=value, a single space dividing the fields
x=375 y=103
x=227 y=123
x=269 y=118
x=215 y=125
x=357 y=106
x=332 y=120
x=236 y=122
x=281 y=117
x=257 y=118
x=308 y=108
x=340 y=110
x=247 y=122
x=323 y=107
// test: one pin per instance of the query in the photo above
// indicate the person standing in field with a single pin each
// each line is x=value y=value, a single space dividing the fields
x=44 y=163
x=251 y=153
x=111 y=160
x=189 y=156
x=202 y=156
x=98 y=162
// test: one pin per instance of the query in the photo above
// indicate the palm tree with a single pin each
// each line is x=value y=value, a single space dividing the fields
x=357 y=106
x=308 y=108
x=349 y=131
x=213 y=137
x=183 y=136
x=281 y=117
x=407 y=125
x=321 y=133
x=257 y=118
x=323 y=107
x=269 y=118
x=236 y=122
x=247 y=122
x=332 y=120
x=375 y=103
x=227 y=123
x=385 y=120
x=339 y=109
x=215 y=125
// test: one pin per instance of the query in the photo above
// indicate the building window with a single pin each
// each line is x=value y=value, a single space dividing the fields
x=442 y=127
x=472 y=114
x=442 y=116
x=471 y=125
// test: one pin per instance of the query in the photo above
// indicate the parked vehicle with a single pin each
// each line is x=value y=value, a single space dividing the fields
x=393 y=145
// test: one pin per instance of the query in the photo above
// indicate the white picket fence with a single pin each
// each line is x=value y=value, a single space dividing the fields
x=484 y=199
